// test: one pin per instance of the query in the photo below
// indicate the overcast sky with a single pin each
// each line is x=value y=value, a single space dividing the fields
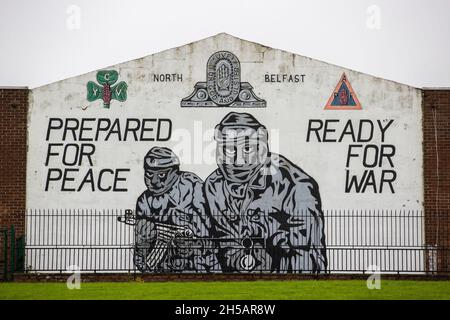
x=42 y=41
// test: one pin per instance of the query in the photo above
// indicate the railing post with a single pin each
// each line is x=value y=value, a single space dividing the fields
x=5 y=253
x=13 y=240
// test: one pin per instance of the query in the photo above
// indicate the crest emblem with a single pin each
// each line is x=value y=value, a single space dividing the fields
x=223 y=86
x=223 y=74
x=343 y=97
x=107 y=91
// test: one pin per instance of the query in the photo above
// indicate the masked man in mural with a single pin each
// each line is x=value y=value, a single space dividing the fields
x=265 y=211
x=171 y=226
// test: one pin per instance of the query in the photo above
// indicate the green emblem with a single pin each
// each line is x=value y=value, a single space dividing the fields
x=107 y=91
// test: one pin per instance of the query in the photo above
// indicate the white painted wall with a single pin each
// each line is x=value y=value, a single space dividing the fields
x=289 y=108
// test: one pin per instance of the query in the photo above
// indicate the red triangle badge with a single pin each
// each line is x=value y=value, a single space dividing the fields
x=343 y=97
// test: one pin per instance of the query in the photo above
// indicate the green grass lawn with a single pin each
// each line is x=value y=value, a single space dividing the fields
x=307 y=289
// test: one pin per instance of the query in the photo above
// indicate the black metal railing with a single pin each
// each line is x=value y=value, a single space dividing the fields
x=390 y=241
x=12 y=254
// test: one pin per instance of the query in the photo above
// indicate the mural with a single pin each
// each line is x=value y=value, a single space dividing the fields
x=189 y=169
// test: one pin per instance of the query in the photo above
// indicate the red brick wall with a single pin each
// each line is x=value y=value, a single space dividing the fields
x=13 y=153
x=436 y=167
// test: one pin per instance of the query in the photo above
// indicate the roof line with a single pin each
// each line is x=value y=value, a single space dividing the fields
x=436 y=88
x=13 y=87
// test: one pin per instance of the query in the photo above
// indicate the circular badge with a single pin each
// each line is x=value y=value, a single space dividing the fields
x=247 y=262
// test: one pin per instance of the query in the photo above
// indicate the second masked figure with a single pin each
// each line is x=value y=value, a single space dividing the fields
x=266 y=212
